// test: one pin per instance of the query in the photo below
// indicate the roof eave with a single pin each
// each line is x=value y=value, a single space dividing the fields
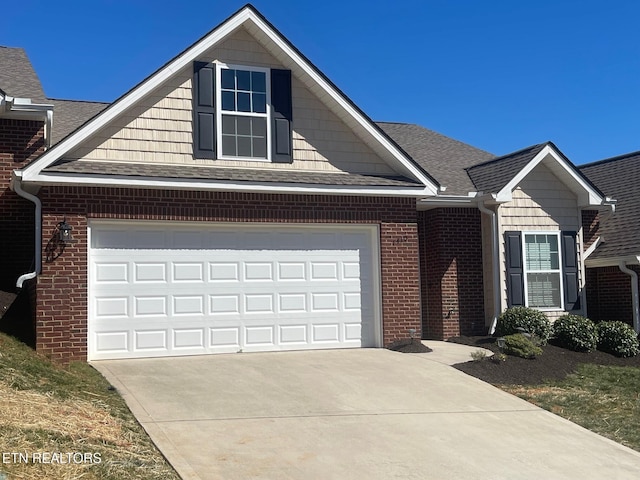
x=247 y=15
x=613 y=261
x=146 y=182
x=23 y=108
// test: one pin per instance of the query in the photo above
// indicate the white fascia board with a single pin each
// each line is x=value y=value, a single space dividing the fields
x=612 y=261
x=592 y=248
x=193 y=53
x=447 y=201
x=587 y=195
x=226 y=186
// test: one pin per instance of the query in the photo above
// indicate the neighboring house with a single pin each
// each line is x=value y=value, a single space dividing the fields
x=26 y=130
x=237 y=200
x=614 y=265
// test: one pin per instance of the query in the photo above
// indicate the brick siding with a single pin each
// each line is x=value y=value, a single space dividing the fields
x=62 y=286
x=451 y=272
x=609 y=294
x=590 y=227
x=21 y=141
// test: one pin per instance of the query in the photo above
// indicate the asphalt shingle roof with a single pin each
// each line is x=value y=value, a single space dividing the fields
x=492 y=176
x=17 y=76
x=68 y=115
x=618 y=177
x=229 y=174
x=443 y=157
x=19 y=79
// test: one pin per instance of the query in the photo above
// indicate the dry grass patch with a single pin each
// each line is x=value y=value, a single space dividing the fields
x=604 y=399
x=66 y=423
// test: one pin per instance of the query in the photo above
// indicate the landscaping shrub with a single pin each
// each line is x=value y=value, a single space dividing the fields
x=520 y=346
x=576 y=333
x=532 y=321
x=618 y=338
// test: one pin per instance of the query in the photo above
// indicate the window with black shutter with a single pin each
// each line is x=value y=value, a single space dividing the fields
x=542 y=270
x=242 y=113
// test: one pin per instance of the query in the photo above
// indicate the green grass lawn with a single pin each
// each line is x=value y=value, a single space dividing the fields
x=604 y=399
x=67 y=423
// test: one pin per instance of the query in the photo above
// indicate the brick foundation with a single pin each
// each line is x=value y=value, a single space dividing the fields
x=62 y=286
x=451 y=272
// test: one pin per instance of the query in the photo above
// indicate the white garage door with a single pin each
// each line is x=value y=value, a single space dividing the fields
x=176 y=289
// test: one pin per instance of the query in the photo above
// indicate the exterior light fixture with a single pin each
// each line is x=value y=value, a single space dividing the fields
x=500 y=342
x=64 y=230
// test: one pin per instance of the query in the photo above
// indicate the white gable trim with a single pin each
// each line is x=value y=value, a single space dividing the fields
x=248 y=17
x=587 y=195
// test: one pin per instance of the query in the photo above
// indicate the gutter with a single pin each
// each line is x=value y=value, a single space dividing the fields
x=16 y=186
x=635 y=296
x=22 y=108
x=495 y=254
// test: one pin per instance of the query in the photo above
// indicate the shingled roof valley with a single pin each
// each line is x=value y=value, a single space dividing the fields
x=618 y=177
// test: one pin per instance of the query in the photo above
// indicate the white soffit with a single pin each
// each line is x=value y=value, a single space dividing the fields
x=281 y=49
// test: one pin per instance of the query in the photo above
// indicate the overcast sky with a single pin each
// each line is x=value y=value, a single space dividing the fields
x=500 y=75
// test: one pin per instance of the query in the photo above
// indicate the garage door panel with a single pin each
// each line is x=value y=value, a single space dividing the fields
x=224 y=272
x=188 y=338
x=150 y=340
x=146 y=272
x=188 y=272
x=183 y=291
x=150 y=306
x=112 y=342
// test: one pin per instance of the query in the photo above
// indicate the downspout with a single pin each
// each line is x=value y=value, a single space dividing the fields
x=16 y=186
x=495 y=254
x=635 y=296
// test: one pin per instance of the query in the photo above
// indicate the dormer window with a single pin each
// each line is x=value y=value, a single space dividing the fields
x=242 y=113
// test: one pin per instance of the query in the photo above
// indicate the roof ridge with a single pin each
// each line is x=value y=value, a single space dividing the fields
x=610 y=159
x=502 y=157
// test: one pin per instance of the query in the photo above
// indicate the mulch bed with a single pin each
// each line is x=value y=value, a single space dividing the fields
x=555 y=363
x=409 y=346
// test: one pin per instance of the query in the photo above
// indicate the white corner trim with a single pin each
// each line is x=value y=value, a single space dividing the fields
x=247 y=14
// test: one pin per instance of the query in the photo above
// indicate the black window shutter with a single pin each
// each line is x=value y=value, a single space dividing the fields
x=204 y=112
x=282 y=116
x=570 y=271
x=515 y=272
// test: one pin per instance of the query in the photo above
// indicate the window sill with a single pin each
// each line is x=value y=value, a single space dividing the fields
x=245 y=159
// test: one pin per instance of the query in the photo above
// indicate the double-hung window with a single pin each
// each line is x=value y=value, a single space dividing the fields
x=242 y=113
x=244 y=99
x=542 y=270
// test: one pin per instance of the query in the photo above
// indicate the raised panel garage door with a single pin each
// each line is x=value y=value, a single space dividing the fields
x=175 y=289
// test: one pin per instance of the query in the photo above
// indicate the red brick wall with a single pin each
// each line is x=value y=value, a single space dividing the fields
x=609 y=294
x=451 y=272
x=20 y=142
x=590 y=227
x=62 y=286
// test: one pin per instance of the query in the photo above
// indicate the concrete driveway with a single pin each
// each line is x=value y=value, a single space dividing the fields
x=351 y=414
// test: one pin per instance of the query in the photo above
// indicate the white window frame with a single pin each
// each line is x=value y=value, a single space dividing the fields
x=526 y=271
x=219 y=112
